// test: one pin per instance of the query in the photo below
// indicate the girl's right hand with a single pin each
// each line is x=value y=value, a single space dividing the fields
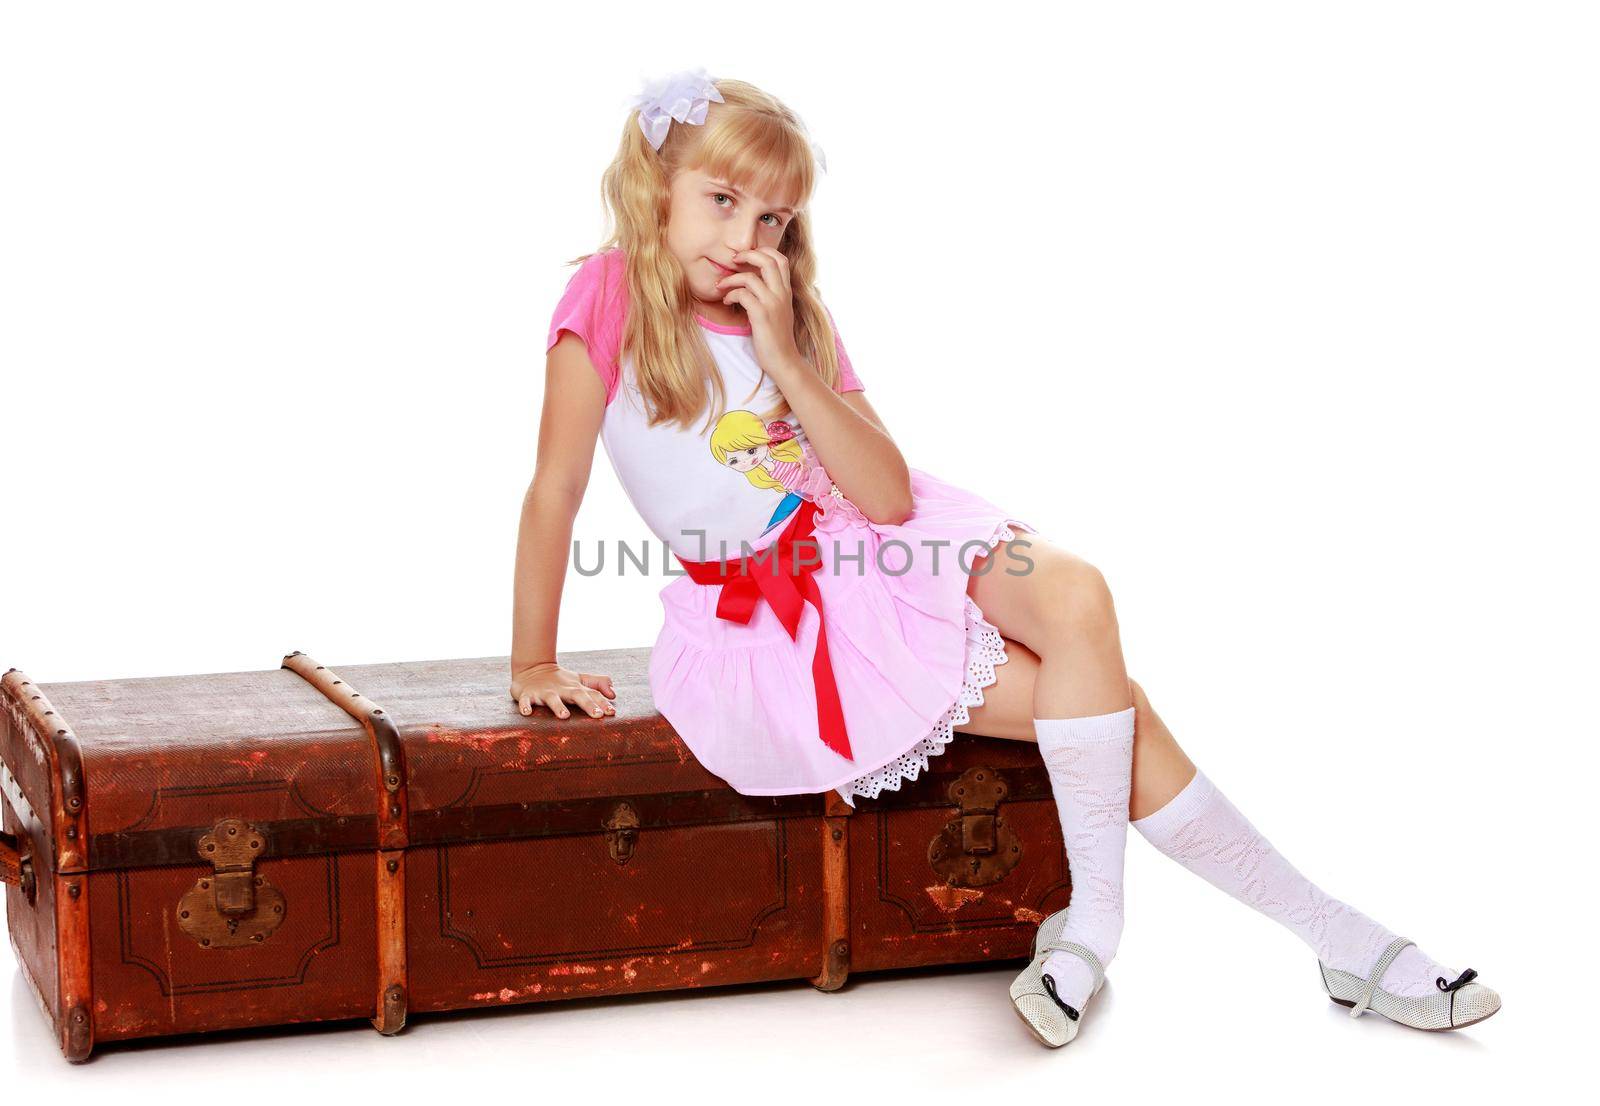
x=552 y=686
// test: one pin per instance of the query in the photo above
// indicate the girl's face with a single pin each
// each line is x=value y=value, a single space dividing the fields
x=708 y=222
x=743 y=460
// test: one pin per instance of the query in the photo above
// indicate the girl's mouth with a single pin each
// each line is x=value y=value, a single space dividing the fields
x=720 y=269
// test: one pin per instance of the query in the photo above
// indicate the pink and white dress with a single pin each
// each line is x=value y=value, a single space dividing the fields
x=910 y=650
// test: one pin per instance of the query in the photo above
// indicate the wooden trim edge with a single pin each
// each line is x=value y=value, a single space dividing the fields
x=390 y=993
x=835 y=894
x=69 y=804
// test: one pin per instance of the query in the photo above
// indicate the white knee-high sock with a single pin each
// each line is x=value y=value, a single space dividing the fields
x=1203 y=831
x=1090 y=762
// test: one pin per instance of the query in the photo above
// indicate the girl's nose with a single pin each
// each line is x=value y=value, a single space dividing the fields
x=744 y=238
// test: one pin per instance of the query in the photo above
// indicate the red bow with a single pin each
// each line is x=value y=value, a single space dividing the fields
x=776 y=573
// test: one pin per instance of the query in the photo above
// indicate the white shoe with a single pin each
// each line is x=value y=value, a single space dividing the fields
x=1457 y=1004
x=1033 y=993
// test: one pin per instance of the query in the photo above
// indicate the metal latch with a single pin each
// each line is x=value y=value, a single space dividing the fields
x=977 y=847
x=622 y=831
x=233 y=906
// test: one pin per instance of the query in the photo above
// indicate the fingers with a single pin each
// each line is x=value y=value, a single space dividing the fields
x=592 y=695
x=750 y=282
x=600 y=683
x=773 y=267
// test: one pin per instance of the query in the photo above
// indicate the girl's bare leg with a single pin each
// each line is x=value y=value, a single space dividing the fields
x=1161 y=768
x=1065 y=661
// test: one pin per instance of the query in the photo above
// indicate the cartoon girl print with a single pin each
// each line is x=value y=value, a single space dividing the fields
x=769 y=455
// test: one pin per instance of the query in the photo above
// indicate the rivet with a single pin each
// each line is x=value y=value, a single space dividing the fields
x=72 y=890
x=837 y=834
x=255 y=937
x=394 y=866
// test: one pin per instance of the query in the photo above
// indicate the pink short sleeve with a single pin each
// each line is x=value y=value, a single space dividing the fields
x=594 y=307
x=848 y=380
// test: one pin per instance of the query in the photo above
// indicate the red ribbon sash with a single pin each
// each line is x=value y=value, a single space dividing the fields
x=777 y=574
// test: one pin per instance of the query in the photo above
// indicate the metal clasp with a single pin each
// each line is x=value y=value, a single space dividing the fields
x=977 y=847
x=622 y=832
x=233 y=906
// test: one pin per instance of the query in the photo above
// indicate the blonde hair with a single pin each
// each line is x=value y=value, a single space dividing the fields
x=739 y=430
x=757 y=144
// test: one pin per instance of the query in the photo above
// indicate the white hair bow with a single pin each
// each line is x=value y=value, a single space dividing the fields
x=685 y=96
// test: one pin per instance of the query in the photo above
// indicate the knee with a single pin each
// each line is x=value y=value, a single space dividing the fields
x=1078 y=599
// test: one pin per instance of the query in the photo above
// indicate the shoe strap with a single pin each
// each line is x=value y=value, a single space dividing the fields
x=1378 y=969
x=1084 y=953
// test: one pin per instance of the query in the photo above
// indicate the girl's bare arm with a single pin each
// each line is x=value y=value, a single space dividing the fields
x=574 y=405
x=851 y=442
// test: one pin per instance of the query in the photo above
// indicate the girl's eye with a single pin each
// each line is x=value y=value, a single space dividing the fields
x=718 y=197
x=751 y=451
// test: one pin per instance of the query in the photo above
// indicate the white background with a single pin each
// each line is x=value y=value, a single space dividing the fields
x=1281 y=314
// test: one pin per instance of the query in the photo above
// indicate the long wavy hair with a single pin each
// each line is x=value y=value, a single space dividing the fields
x=752 y=140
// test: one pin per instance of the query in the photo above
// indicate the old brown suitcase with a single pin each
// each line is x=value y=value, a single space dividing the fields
x=207 y=852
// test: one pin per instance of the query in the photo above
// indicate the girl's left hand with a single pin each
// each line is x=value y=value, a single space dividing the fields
x=768 y=300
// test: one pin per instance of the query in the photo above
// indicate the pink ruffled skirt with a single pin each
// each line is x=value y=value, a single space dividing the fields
x=911 y=652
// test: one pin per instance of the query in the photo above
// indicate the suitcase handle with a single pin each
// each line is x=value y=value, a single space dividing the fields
x=15 y=866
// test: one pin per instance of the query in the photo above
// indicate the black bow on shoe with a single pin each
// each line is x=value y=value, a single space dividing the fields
x=1466 y=977
x=1050 y=985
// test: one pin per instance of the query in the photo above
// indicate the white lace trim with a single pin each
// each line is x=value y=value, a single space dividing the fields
x=985 y=650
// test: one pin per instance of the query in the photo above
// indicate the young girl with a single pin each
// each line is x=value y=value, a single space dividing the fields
x=841 y=613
